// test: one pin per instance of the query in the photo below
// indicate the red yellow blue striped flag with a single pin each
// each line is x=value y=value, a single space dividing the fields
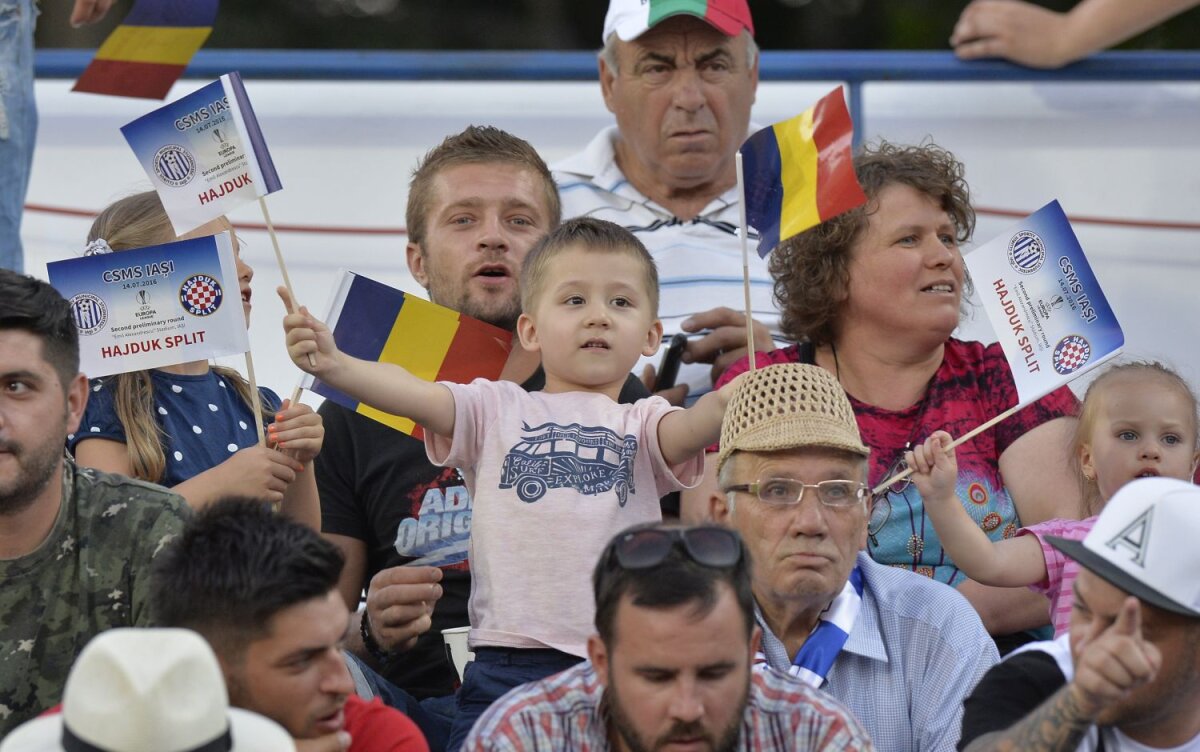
x=148 y=52
x=800 y=172
x=375 y=322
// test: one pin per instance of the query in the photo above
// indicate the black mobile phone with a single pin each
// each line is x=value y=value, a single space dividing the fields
x=668 y=370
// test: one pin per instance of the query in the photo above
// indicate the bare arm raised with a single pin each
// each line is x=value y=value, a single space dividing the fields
x=1028 y=34
x=685 y=433
x=384 y=386
x=1007 y=563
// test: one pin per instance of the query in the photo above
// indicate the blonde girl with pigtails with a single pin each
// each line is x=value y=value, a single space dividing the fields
x=191 y=426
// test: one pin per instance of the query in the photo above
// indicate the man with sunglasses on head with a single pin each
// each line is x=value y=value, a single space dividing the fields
x=900 y=650
x=670 y=665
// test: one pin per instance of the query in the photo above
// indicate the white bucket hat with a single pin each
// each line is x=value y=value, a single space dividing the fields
x=148 y=690
x=1144 y=542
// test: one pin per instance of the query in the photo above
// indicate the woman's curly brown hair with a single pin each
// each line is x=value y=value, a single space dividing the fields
x=812 y=269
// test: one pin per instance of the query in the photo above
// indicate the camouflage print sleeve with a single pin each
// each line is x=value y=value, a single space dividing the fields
x=161 y=522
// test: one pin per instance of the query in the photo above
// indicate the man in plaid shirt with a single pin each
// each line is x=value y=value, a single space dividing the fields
x=670 y=665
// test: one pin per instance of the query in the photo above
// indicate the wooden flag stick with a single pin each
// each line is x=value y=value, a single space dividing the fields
x=961 y=440
x=256 y=406
x=287 y=281
x=255 y=400
x=745 y=257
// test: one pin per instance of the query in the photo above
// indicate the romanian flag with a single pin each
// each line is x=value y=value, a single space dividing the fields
x=800 y=172
x=147 y=53
x=375 y=322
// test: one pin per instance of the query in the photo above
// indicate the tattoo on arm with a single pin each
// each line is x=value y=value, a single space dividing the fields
x=1057 y=725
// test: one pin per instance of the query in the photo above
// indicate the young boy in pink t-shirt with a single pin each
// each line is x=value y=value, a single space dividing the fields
x=556 y=473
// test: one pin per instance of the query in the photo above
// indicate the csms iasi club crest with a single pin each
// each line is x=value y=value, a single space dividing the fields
x=174 y=165
x=200 y=295
x=1026 y=252
x=90 y=312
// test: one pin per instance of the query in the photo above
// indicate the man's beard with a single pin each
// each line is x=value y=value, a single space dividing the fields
x=35 y=469
x=504 y=316
x=727 y=742
x=490 y=309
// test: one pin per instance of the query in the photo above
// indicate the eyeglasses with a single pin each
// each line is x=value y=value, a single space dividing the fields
x=708 y=545
x=786 y=491
x=881 y=503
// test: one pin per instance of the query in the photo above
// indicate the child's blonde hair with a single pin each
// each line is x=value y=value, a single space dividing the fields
x=134 y=222
x=1089 y=416
x=591 y=235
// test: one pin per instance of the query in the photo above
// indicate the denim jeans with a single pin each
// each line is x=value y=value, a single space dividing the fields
x=433 y=715
x=18 y=122
x=492 y=674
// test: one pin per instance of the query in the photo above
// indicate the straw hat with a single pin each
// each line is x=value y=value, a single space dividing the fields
x=148 y=690
x=789 y=406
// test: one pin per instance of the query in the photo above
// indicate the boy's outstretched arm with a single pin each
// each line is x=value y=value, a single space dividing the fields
x=383 y=386
x=1009 y=563
x=685 y=433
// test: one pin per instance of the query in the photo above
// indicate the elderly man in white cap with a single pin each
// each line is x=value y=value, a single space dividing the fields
x=1126 y=676
x=680 y=77
x=148 y=690
x=901 y=651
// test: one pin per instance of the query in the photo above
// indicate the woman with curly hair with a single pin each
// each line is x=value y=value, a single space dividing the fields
x=873 y=296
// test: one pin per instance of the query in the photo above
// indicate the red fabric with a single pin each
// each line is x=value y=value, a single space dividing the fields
x=124 y=78
x=374 y=727
x=833 y=133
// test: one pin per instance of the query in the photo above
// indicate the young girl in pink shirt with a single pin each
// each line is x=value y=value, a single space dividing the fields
x=1137 y=420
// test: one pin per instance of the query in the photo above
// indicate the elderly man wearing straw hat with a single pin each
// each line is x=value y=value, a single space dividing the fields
x=899 y=650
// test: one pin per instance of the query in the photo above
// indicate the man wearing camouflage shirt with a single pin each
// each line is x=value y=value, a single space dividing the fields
x=75 y=544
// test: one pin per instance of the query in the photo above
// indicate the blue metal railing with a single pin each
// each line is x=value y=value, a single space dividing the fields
x=855 y=68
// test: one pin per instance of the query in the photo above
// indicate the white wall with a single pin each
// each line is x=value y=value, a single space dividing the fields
x=344 y=151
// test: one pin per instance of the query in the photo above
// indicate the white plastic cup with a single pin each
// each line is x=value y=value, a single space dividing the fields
x=456 y=648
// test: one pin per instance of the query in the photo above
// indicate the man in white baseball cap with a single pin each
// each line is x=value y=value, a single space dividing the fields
x=680 y=77
x=148 y=690
x=1126 y=676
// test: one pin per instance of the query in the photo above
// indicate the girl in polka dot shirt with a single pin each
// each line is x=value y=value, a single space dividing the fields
x=190 y=426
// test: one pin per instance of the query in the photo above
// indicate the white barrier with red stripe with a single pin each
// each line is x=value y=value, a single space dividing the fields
x=1122 y=157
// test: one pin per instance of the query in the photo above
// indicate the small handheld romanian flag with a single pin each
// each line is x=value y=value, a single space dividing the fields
x=204 y=153
x=372 y=321
x=148 y=52
x=800 y=172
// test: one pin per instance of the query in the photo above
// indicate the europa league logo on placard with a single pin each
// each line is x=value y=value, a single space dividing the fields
x=1047 y=307
x=224 y=148
x=144 y=309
